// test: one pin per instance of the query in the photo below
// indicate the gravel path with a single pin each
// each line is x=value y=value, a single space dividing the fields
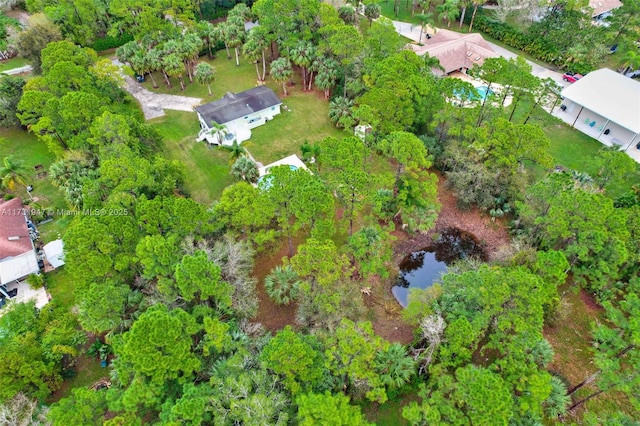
x=154 y=104
x=26 y=68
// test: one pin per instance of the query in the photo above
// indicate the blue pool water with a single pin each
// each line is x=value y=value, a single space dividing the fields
x=483 y=92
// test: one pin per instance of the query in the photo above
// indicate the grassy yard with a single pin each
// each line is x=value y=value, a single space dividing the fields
x=306 y=118
x=207 y=169
x=12 y=63
x=23 y=146
x=228 y=78
x=61 y=287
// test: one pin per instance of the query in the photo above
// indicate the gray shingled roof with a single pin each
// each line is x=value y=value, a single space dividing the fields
x=235 y=105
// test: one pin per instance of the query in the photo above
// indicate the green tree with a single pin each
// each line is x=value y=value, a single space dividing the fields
x=83 y=407
x=30 y=42
x=351 y=356
x=341 y=112
x=253 y=49
x=158 y=345
x=424 y=20
x=448 y=11
x=328 y=409
x=614 y=167
x=296 y=358
x=281 y=72
x=347 y=173
x=244 y=210
x=205 y=74
x=199 y=279
x=10 y=94
x=282 y=285
x=414 y=189
x=12 y=173
x=245 y=169
x=372 y=11
x=617 y=352
x=172 y=65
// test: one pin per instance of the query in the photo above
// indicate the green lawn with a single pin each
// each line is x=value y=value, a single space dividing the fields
x=207 y=169
x=228 y=78
x=306 y=118
x=19 y=144
x=61 y=287
x=12 y=63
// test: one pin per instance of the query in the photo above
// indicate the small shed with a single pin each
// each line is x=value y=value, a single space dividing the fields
x=54 y=251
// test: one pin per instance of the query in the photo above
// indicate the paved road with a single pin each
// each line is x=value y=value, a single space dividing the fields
x=412 y=32
x=26 y=68
x=154 y=104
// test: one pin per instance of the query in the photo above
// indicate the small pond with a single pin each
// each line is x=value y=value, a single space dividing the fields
x=422 y=268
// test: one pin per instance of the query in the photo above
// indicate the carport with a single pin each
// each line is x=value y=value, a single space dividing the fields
x=606 y=106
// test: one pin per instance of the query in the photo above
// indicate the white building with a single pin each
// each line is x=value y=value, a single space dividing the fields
x=606 y=106
x=238 y=113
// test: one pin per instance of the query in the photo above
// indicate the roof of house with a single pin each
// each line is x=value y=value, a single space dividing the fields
x=455 y=50
x=14 y=234
x=609 y=94
x=601 y=6
x=236 y=105
x=54 y=251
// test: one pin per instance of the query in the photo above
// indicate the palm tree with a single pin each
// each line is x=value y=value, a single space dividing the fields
x=431 y=62
x=327 y=75
x=205 y=74
x=631 y=60
x=188 y=50
x=310 y=153
x=221 y=131
x=253 y=50
x=394 y=367
x=209 y=35
x=245 y=169
x=154 y=59
x=235 y=34
x=12 y=172
x=282 y=285
x=147 y=65
x=302 y=55
x=424 y=20
x=341 y=111
x=448 y=11
x=174 y=67
x=372 y=11
x=281 y=72
x=476 y=3
x=235 y=151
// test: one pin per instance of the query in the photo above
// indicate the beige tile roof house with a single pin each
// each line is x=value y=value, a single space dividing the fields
x=602 y=6
x=456 y=51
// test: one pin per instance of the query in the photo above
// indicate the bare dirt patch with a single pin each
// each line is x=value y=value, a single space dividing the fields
x=492 y=234
x=271 y=315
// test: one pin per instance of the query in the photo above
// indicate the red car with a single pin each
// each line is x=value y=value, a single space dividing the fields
x=571 y=77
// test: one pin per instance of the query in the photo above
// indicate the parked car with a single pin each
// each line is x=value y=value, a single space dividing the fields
x=571 y=77
x=139 y=78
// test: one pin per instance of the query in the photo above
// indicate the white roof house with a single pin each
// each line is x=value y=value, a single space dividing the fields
x=607 y=100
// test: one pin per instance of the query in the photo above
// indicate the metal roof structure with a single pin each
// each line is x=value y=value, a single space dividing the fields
x=237 y=105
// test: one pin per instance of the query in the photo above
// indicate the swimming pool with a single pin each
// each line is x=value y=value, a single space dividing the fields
x=483 y=92
x=265 y=182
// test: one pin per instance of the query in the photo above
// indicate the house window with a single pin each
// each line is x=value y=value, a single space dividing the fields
x=246 y=116
x=273 y=108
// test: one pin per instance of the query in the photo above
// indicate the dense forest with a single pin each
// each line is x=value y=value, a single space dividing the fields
x=164 y=286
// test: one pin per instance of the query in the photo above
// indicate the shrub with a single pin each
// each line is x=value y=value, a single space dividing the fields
x=109 y=42
x=282 y=285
